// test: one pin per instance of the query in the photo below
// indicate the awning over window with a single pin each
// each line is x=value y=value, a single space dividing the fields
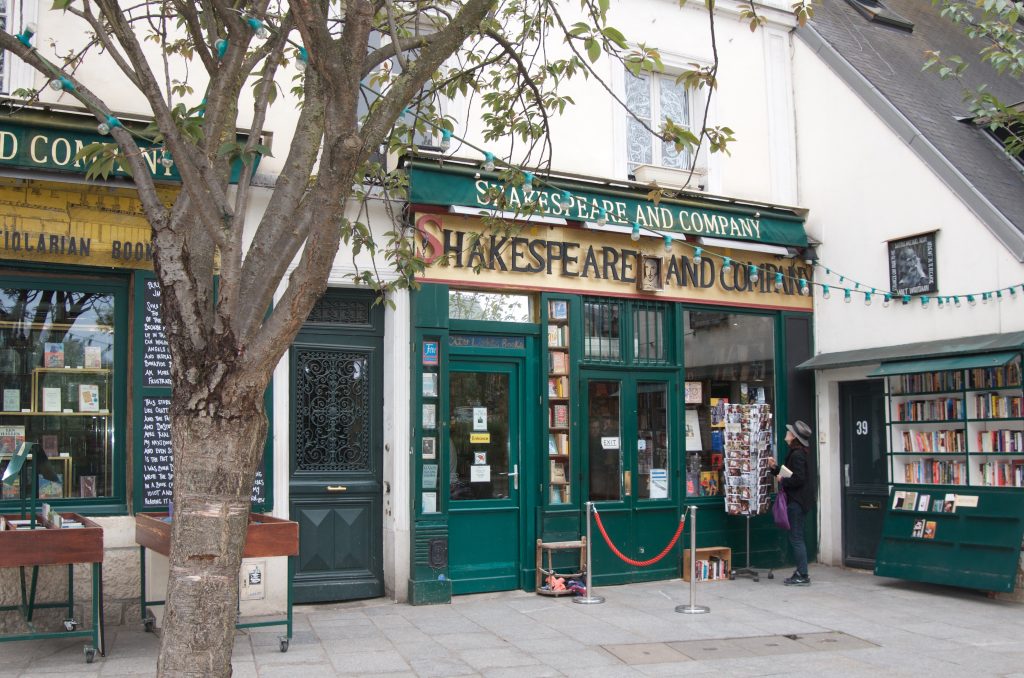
x=967 y=362
x=937 y=349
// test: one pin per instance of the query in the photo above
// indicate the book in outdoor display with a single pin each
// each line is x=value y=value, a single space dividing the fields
x=748 y=445
x=958 y=427
x=559 y=392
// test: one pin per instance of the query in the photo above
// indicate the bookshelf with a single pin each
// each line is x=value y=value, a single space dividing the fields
x=960 y=427
x=559 y=398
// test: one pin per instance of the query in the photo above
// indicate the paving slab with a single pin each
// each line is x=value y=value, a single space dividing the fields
x=646 y=653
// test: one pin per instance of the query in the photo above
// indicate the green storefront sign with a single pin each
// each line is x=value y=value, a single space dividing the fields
x=38 y=147
x=579 y=202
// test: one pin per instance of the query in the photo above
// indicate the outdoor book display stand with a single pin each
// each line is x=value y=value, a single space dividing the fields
x=37 y=543
x=267 y=537
x=956 y=470
x=748 y=444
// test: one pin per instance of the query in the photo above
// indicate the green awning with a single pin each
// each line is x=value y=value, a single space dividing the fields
x=965 y=362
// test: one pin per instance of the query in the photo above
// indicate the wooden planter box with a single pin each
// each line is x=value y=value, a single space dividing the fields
x=267 y=537
x=52 y=546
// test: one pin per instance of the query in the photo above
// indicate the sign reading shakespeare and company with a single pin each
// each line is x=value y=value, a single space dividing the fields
x=431 y=186
x=579 y=260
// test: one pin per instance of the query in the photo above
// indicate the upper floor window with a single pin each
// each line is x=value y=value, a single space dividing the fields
x=14 y=16
x=651 y=98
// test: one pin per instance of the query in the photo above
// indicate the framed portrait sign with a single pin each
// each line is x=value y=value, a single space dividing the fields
x=650 y=278
x=912 y=265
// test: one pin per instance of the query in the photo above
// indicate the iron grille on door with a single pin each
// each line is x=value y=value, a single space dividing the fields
x=602 y=339
x=649 y=345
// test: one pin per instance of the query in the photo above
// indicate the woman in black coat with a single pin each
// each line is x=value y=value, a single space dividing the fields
x=799 y=489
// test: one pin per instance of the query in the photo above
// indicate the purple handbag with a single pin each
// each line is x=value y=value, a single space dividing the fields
x=780 y=510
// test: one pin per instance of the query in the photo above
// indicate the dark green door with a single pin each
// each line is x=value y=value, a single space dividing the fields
x=864 y=481
x=631 y=471
x=336 y=460
x=484 y=419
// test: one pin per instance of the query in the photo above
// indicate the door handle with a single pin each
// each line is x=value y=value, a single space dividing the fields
x=846 y=474
x=627 y=482
x=337 y=488
x=514 y=475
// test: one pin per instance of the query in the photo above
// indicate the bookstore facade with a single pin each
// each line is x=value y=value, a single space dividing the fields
x=588 y=354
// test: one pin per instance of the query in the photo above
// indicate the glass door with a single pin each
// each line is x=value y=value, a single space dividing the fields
x=631 y=470
x=484 y=465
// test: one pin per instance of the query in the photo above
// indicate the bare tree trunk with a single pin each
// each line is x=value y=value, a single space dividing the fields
x=216 y=453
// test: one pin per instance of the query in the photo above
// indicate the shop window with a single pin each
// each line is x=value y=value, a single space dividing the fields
x=495 y=306
x=57 y=365
x=729 y=358
x=649 y=344
x=602 y=340
x=15 y=15
x=603 y=445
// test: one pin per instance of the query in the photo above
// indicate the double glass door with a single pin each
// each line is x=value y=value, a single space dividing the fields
x=632 y=474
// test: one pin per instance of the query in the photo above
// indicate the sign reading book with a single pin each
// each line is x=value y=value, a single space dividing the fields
x=158 y=457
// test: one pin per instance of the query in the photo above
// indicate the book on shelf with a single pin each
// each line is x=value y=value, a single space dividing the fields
x=93 y=357
x=12 y=399
x=923 y=501
x=557 y=472
x=910 y=502
x=53 y=354
x=558 y=309
x=559 y=362
x=935 y=409
x=11 y=437
x=949 y=504
x=1008 y=473
x=899 y=497
x=1001 y=440
x=558 y=444
x=50 y=489
x=997 y=377
x=558 y=387
x=558 y=335
x=88 y=398
x=996 y=406
x=929 y=529
x=937 y=506
x=935 y=472
x=559 y=416
x=918 y=529
x=51 y=399
x=86 y=486
x=710 y=485
x=927 y=381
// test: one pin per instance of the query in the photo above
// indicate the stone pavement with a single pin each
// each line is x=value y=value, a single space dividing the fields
x=848 y=623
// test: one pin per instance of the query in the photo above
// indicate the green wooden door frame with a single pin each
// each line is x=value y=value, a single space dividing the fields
x=481 y=555
x=639 y=528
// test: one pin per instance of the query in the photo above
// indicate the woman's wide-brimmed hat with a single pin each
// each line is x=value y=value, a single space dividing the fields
x=802 y=432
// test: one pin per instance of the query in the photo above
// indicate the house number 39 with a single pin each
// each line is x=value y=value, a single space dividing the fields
x=862 y=428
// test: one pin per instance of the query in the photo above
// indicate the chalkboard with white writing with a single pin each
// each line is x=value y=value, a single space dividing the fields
x=156 y=355
x=157 y=457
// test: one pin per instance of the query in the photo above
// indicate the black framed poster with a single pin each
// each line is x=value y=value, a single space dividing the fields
x=912 y=265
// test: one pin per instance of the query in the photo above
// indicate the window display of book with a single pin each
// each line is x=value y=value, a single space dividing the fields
x=558 y=395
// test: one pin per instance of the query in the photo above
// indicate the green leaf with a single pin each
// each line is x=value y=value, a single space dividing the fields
x=593 y=49
x=61 y=4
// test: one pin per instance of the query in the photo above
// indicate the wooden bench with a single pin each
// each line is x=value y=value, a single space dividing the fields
x=549 y=548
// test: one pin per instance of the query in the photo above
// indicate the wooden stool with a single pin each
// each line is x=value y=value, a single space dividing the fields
x=549 y=548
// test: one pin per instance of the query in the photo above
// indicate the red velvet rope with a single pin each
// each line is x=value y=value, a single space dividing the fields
x=639 y=563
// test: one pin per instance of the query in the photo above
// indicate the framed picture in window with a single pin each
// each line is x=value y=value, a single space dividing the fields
x=428 y=447
x=912 y=265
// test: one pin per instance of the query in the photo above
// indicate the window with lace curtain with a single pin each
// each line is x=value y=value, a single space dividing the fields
x=652 y=98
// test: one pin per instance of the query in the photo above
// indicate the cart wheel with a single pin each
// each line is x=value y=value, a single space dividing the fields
x=149 y=625
x=771 y=576
x=732 y=576
x=757 y=579
x=70 y=624
x=284 y=644
x=90 y=654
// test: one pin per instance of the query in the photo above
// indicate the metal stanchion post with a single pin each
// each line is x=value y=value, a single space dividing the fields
x=693 y=607
x=590 y=598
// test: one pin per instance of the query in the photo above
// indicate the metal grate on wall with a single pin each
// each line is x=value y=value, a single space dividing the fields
x=649 y=344
x=602 y=330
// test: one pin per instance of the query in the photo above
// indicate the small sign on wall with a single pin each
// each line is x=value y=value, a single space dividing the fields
x=912 y=265
x=251 y=580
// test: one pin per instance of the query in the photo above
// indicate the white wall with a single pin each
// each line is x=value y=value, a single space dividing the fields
x=864 y=186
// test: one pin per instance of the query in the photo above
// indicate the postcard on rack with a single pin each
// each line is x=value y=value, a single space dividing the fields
x=88 y=398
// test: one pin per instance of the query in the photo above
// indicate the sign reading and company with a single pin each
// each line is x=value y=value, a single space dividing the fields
x=434 y=187
x=574 y=260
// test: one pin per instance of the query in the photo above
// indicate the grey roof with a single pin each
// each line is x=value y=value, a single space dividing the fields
x=883 y=65
x=982 y=343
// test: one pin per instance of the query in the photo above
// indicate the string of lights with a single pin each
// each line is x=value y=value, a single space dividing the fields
x=529 y=181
